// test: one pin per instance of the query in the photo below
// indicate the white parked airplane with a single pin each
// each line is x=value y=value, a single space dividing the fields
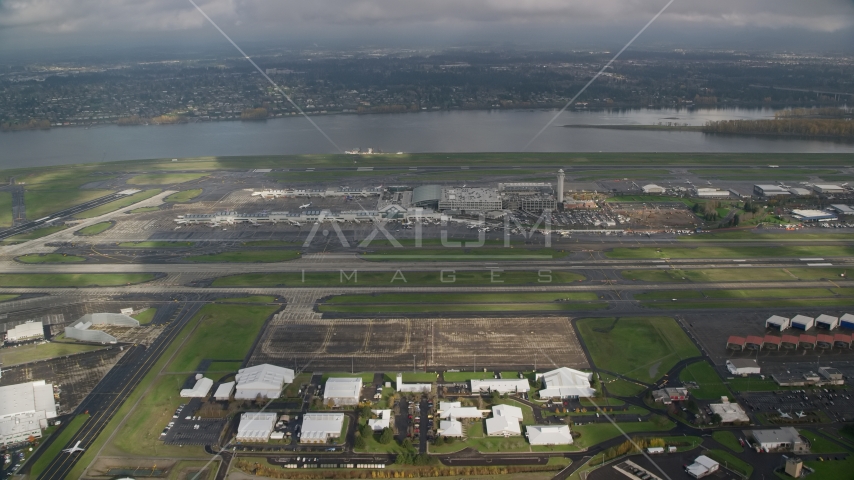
x=75 y=448
x=305 y=206
x=784 y=415
x=801 y=414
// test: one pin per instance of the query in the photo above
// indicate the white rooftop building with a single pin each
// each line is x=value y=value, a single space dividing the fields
x=504 y=422
x=224 y=391
x=412 y=387
x=729 y=412
x=652 y=188
x=450 y=428
x=342 y=391
x=382 y=421
x=826 y=321
x=24 y=411
x=803 y=322
x=265 y=380
x=777 y=322
x=743 y=366
x=255 y=426
x=702 y=466
x=25 y=332
x=501 y=385
x=549 y=435
x=320 y=427
x=200 y=389
x=566 y=382
x=455 y=410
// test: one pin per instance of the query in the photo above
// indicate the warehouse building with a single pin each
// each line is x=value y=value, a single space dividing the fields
x=653 y=189
x=469 y=199
x=742 y=366
x=504 y=421
x=321 y=427
x=730 y=413
x=702 y=467
x=770 y=191
x=24 y=411
x=778 y=323
x=25 y=332
x=785 y=439
x=342 y=391
x=842 y=209
x=255 y=427
x=411 y=387
x=827 y=188
x=200 y=389
x=802 y=322
x=566 y=383
x=826 y=322
x=501 y=385
x=831 y=376
x=82 y=329
x=549 y=435
x=800 y=192
x=813 y=215
x=224 y=391
x=265 y=380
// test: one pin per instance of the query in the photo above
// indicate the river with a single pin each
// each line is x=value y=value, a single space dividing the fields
x=445 y=131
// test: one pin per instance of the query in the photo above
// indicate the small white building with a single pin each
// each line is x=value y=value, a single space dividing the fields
x=549 y=435
x=200 y=389
x=730 y=413
x=24 y=411
x=501 y=385
x=450 y=428
x=828 y=188
x=455 y=410
x=382 y=421
x=320 y=427
x=255 y=426
x=224 y=391
x=653 y=188
x=342 y=391
x=742 y=366
x=504 y=422
x=412 y=387
x=827 y=322
x=25 y=332
x=702 y=467
x=566 y=382
x=802 y=322
x=778 y=323
x=265 y=380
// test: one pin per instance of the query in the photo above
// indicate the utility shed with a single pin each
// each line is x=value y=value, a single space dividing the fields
x=778 y=323
x=802 y=322
x=827 y=322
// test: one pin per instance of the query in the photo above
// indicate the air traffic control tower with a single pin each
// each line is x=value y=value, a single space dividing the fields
x=560 y=178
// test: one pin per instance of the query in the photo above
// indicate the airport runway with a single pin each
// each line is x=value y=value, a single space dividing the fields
x=109 y=395
x=55 y=216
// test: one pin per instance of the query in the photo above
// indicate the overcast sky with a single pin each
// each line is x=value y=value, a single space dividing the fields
x=826 y=25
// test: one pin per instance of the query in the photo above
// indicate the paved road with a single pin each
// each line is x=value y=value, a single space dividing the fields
x=109 y=395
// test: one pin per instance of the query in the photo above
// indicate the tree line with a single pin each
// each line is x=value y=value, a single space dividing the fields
x=800 y=127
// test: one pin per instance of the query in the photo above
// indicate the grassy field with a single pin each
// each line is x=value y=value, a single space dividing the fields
x=746 y=298
x=806 y=251
x=727 y=439
x=763 y=235
x=619 y=387
x=250 y=299
x=95 y=229
x=50 y=190
x=184 y=196
x=34 y=352
x=50 y=258
x=731 y=461
x=34 y=234
x=648 y=346
x=367 y=377
x=464 y=298
x=73 y=279
x=638 y=173
x=711 y=385
x=251 y=256
x=163 y=178
x=835 y=469
x=596 y=433
x=464 y=376
x=227 y=332
x=6 y=298
x=117 y=204
x=412 y=377
x=733 y=274
x=820 y=444
x=5 y=209
x=412 y=278
x=463 y=254
x=445 y=308
x=146 y=316
x=53 y=450
x=649 y=199
x=156 y=244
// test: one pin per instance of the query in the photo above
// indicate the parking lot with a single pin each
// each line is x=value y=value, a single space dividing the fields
x=186 y=428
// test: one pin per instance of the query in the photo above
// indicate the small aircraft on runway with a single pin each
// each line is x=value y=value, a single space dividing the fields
x=74 y=449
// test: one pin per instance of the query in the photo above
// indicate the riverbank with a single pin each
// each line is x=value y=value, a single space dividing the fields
x=676 y=128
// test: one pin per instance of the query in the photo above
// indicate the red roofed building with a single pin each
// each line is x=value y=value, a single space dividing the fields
x=753 y=342
x=789 y=342
x=806 y=341
x=771 y=342
x=735 y=343
x=841 y=340
x=824 y=341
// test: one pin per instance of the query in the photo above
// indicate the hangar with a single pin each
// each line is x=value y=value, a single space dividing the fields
x=81 y=329
x=265 y=380
x=742 y=366
x=566 y=382
x=753 y=342
x=320 y=427
x=24 y=411
x=841 y=340
x=25 y=332
x=224 y=391
x=255 y=427
x=653 y=189
x=802 y=322
x=777 y=322
x=549 y=435
x=827 y=322
x=823 y=340
x=847 y=321
x=813 y=215
x=807 y=341
x=342 y=391
x=200 y=389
